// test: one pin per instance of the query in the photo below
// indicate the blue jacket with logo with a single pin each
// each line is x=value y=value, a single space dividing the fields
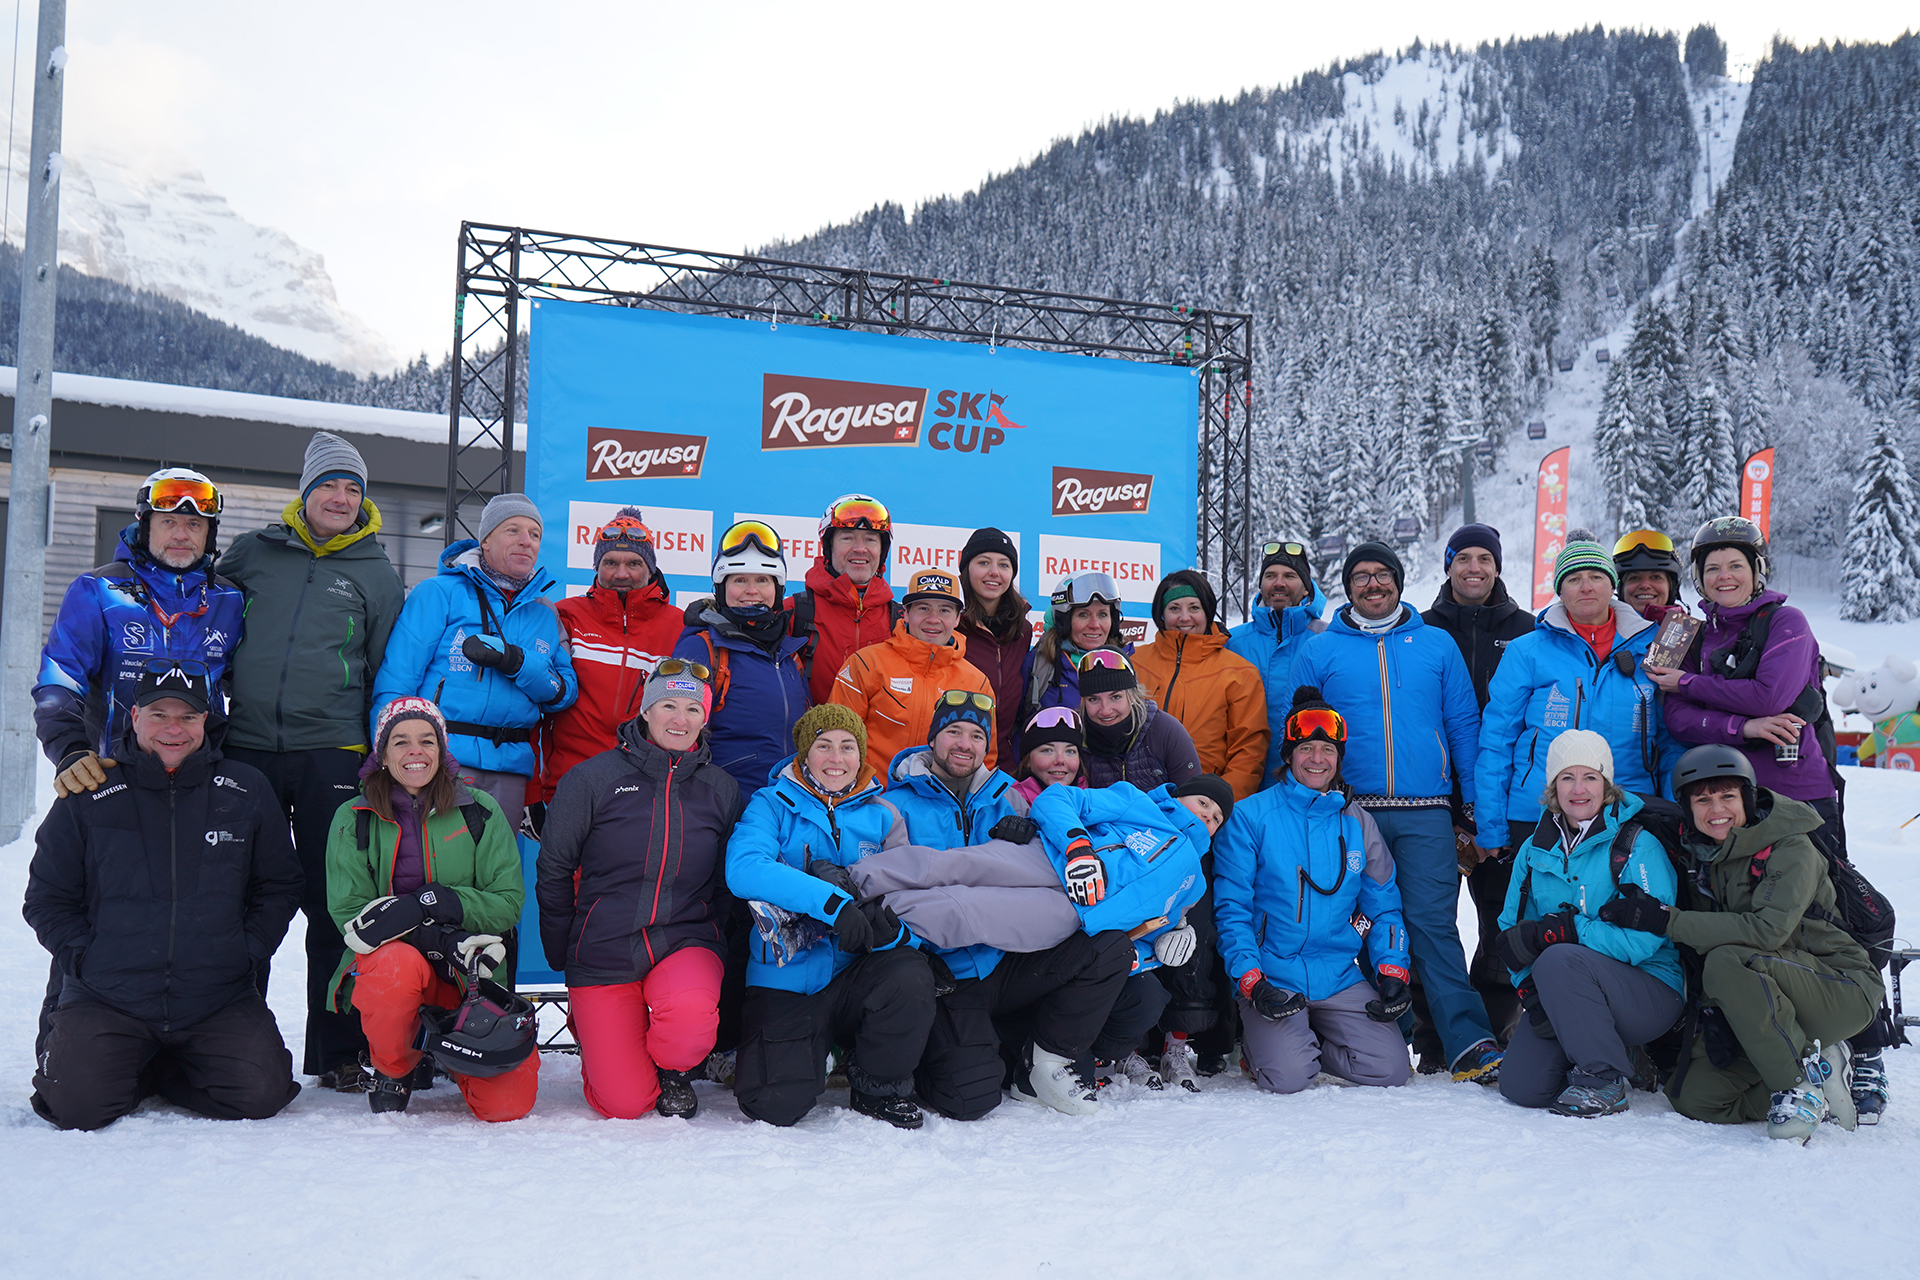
x=1293 y=870
x=752 y=731
x=1549 y=681
x=112 y=622
x=1151 y=845
x=938 y=819
x=1412 y=720
x=1271 y=640
x=424 y=657
x=1552 y=878
x=785 y=827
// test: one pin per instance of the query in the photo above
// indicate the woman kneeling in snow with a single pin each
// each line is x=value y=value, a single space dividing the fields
x=1303 y=888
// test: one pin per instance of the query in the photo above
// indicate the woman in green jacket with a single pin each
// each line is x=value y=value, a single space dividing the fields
x=423 y=878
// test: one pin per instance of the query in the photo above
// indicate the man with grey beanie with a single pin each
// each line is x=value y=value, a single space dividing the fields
x=321 y=598
x=482 y=640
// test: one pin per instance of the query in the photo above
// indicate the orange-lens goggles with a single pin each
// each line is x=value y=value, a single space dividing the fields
x=737 y=537
x=626 y=528
x=1651 y=539
x=681 y=666
x=859 y=513
x=173 y=494
x=1317 y=722
x=961 y=697
x=1111 y=659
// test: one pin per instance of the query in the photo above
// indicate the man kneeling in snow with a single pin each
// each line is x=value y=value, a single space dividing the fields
x=159 y=895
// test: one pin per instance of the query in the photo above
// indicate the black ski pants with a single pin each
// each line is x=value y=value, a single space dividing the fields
x=310 y=786
x=882 y=1003
x=1059 y=998
x=100 y=1063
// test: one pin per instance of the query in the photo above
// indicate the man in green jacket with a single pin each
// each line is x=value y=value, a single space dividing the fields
x=321 y=597
x=1780 y=984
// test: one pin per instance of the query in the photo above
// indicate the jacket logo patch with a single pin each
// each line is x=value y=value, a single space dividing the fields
x=222 y=837
x=1142 y=842
x=900 y=684
x=1558 y=710
x=222 y=780
x=868 y=848
x=1353 y=860
x=104 y=792
x=456 y=660
x=135 y=639
x=621 y=791
x=341 y=587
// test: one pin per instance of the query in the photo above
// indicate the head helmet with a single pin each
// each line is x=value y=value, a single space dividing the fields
x=1079 y=589
x=1709 y=763
x=855 y=511
x=1731 y=531
x=178 y=489
x=1648 y=551
x=489 y=1034
x=749 y=546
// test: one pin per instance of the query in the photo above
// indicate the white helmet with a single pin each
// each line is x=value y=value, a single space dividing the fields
x=750 y=546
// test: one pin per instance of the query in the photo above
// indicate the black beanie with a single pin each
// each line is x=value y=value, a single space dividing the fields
x=1474 y=535
x=1064 y=728
x=1379 y=553
x=988 y=540
x=1099 y=679
x=1196 y=584
x=1213 y=787
x=1282 y=556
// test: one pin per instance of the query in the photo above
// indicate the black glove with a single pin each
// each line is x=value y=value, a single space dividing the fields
x=1395 y=998
x=834 y=874
x=381 y=921
x=439 y=904
x=1273 y=1003
x=880 y=918
x=1015 y=829
x=485 y=651
x=441 y=946
x=533 y=820
x=944 y=983
x=1536 y=1012
x=1723 y=1047
x=1635 y=908
x=852 y=930
x=1521 y=945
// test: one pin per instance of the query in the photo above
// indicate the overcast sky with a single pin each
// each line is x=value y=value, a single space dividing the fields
x=367 y=129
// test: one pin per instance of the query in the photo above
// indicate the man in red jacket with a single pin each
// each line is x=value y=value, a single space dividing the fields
x=847 y=604
x=617 y=633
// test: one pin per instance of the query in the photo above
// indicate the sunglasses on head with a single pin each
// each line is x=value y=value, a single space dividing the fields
x=174 y=493
x=1048 y=717
x=1111 y=659
x=746 y=531
x=1275 y=548
x=859 y=513
x=1651 y=539
x=1317 y=722
x=682 y=666
x=962 y=697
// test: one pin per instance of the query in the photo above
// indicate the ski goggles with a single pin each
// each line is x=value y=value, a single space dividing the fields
x=682 y=666
x=856 y=512
x=1085 y=588
x=624 y=529
x=1111 y=659
x=737 y=538
x=1317 y=722
x=1052 y=717
x=176 y=492
x=1649 y=539
x=1276 y=548
x=965 y=698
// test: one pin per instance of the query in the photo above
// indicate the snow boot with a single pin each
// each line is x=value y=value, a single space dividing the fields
x=1212 y=1064
x=1479 y=1063
x=390 y=1093
x=900 y=1112
x=348 y=1077
x=677 y=1097
x=1869 y=1087
x=720 y=1067
x=1176 y=1064
x=1588 y=1098
x=1835 y=1063
x=1133 y=1068
x=1646 y=1075
x=1054 y=1081
x=422 y=1077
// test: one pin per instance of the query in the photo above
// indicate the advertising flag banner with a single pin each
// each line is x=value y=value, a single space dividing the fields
x=1756 y=490
x=1549 y=524
x=699 y=421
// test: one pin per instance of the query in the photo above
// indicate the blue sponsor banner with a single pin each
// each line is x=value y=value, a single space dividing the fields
x=1087 y=463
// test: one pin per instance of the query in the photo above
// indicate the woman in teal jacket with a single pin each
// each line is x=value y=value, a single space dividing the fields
x=862 y=982
x=1578 y=669
x=1590 y=992
x=1293 y=869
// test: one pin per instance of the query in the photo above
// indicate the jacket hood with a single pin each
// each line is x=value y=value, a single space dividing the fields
x=1500 y=603
x=1410 y=621
x=786 y=774
x=293 y=528
x=1182 y=817
x=1778 y=818
x=462 y=559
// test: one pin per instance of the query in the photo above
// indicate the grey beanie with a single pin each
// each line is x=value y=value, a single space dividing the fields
x=331 y=458
x=505 y=506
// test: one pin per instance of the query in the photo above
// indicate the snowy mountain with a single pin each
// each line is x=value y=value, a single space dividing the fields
x=153 y=223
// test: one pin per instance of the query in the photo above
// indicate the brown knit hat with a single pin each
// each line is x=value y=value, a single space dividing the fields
x=828 y=715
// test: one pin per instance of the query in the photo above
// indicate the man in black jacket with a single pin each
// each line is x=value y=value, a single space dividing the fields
x=159 y=894
x=1474 y=608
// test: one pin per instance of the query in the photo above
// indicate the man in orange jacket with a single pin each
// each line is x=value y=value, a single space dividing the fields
x=1214 y=693
x=894 y=686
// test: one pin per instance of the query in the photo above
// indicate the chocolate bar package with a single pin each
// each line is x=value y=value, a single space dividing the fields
x=1671 y=642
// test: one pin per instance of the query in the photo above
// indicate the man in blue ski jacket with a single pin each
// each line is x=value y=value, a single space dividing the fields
x=1288 y=613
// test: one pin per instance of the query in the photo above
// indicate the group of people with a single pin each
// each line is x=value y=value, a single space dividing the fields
x=779 y=837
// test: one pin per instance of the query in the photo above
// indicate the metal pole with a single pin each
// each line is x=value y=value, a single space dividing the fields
x=1466 y=485
x=29 y=497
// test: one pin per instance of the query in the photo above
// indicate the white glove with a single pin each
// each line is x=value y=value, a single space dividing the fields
x=482 y=949
x=1175 y=947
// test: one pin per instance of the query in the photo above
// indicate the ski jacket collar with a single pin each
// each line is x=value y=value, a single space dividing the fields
x=923 y=656
x=1778 y=817
x=915 y=764
x=1284 y=624
x=839 y=589
x=649 y=758
x=1410 y=620
x=1735 y=617
x=1499 y=606
x=1627 y=622
x=151 y=775
x=641 y=603
x=462 y=560
x=787 y=774
x=140 y=558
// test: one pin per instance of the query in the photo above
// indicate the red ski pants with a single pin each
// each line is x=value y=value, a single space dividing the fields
x=392 y=983
x=667 y=1019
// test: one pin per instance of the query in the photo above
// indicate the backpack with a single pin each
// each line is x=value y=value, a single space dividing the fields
x=1864 y=914
x=1659 y=818
x=474 y=812
x=800 y=623
x=717 y=658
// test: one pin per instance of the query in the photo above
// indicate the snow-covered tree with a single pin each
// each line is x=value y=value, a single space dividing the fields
x=1881 y=580
x=1709 y=467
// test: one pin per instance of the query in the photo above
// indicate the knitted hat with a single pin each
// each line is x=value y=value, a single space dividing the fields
x=988 y=540
x=1211 y=786
x=1180 y=584
x=625 y=532
x=1379 y=553
x=1098 y=678
x=1280 y=555
x=1583 y=552
x=1309 y=698
x=503 y=507
x=1053 y=724
x=407 y=708
x=331 y=458
x=1474 y=535
x=681 y=684
x=946 y=712
x=933 y=584
x=1579 y=747
x=828 y=715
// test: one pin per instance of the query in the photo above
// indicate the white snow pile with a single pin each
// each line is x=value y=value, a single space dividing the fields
x=1432 y=1180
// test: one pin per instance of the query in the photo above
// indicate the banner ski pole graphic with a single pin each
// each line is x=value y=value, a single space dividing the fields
x=1549 y=523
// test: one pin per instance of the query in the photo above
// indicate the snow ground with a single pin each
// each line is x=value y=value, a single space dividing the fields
x=1433 y=1180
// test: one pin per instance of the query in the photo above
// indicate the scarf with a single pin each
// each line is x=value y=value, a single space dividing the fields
x=806 y=776
x=508 y=587
x=1373 y=626
x=764 y=627
x=1111 y=741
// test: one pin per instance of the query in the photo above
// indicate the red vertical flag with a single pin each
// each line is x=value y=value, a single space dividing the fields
x=1549 y=524
x=1756 y=490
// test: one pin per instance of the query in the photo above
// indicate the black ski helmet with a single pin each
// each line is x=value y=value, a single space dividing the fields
x=1647 y=551
x=1713 y=761
x=489 y=1034
x=1731 y=531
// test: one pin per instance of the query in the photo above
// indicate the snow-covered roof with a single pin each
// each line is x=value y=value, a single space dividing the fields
x=430 y=428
